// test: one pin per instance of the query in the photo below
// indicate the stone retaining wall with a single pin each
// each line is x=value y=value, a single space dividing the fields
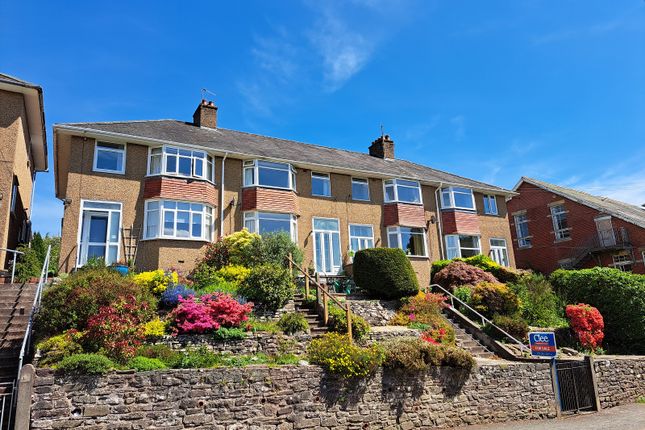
x=620 y=380
x=292 y=397
x=375 y=312
x=266 y=343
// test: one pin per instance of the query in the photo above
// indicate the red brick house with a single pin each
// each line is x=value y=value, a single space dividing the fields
x=555 y=227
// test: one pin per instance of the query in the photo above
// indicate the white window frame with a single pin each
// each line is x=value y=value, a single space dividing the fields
x=459 y=248
x=254 y=166
x=108 y=242
x=335 y=268
x=363 y=181
x=207 y=221
x=254 y=218
x=450 y=192
x=122 y=151
x=395 y=183
x=397 y=230
x=556 y=211
x=522 y=241
x=207 y=161
x=361 y=239
x=14 y=195
x=499 y=248
x=619 y=263
x=488 y=209
x=321 y=176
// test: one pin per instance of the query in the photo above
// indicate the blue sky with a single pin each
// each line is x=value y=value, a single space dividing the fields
x=490 y=90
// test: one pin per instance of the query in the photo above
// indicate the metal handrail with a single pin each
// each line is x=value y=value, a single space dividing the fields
x=483 y=318
x=326 y=295
x=34 y=308
x=13 y=266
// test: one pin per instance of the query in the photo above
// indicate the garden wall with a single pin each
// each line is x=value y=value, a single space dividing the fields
x=260 y=342
x=375 y=312
x=620 y=380
x=292 y=397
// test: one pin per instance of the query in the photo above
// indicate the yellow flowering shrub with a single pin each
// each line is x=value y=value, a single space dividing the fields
x=155 y=328
x=156 y=281
x=240 y=246
x=338 y=355
x=234 y=273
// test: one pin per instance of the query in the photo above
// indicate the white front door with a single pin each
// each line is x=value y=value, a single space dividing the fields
x=100 y=232
x=606 y=234
x=327 y=253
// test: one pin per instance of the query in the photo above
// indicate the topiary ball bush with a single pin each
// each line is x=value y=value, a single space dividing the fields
x=91 y=364
x=385 y=273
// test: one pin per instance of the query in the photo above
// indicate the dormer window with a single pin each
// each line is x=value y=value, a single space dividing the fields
x=457 y=198
x=403 y=191
x=168 y=160
x=269 y=174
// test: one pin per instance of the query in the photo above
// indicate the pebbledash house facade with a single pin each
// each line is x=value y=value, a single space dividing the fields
x=156 y=192
x=556 y=227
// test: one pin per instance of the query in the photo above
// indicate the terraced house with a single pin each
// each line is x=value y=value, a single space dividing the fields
x=155 y=192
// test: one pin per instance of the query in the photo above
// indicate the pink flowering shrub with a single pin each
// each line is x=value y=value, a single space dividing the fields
x=208 y=313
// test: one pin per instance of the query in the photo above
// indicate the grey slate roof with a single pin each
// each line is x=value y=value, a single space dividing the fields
x=615 y=208
x=248 y=144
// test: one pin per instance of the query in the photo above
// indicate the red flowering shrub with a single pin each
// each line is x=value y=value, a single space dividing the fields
x=441 y=335
x=587 y=324
x=459 y=273
x=420 y=309
x=117 y=330
x=209 y=313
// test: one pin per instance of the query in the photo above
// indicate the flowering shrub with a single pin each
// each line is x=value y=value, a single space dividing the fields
x=494 y=298
x=587 y=324
x=117 y=330
x=216 y=255
x=240 y=247
x=156 y=281
x=233 y=273
x=458 y=273
x=154 y=329
x=60 y=346
x=170 y=298
x=442 y=334
x=339 y=355
x=420 y=309
x=415 y=355
x=209 y=313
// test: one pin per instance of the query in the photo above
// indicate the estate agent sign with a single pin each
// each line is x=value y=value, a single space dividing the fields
x=542 y=344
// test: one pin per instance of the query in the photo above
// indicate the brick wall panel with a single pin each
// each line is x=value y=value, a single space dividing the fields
x=460 y=222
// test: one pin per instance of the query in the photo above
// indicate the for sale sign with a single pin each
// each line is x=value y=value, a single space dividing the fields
x=542 y=344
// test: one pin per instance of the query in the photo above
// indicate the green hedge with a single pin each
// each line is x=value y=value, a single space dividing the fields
x=385 y=273
x=620 y=298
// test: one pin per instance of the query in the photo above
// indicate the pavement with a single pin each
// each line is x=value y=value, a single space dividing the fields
x=626 y=417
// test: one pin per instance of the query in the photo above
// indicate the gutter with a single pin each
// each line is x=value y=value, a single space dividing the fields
x=221 y=202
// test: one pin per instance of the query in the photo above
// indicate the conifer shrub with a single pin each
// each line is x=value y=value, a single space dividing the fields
x=293 y=322
x=338 y=323
x=385 y=273
x=494 y=298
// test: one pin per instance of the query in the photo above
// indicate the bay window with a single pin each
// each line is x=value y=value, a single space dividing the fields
x=459 y=245
x=457 y=198
x=360 y=237
x=411 y=240
x=401 y=190
x=270 y=222
x=169 y=219
x=269 y=174
x=168 y=160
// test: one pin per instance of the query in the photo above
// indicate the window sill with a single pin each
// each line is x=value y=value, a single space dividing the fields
x=417 y=257
x=361 y=200
x=268 y=187
x=323 y=197
x=565 y=239
x=474 y=211
x=185 y=178
x=400 y=202
x=525 y=247
x=111 y=172
x=183 y=239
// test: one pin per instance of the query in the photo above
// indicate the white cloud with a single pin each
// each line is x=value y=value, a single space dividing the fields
x=629 y=188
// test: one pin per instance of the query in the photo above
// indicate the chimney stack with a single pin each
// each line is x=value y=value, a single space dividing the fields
x=383 y=147
x=205 y=115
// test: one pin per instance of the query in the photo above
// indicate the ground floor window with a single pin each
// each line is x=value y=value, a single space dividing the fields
x=412 y=240
x=498 y=251
x=100 y=232
x=459 y=245
x=623 y=262
x=169 y=219
x=360 y=237
x=269 y=222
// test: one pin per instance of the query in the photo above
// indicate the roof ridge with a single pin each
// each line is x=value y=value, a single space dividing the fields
x=118 y=122
x=448 y=173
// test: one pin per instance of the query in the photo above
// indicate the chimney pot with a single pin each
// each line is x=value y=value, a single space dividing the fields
x=205 y=115
x=383 y=147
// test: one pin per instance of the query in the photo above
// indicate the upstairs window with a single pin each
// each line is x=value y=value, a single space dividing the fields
x=168 y=219
x=401 y=190
x=560 y=226
x=458 y=245
x=490 y=205
x=269 y=174
x=109 y=158
x=457 y=198
x=522 y=230
x=187 y=163
x=360 y=189
x=411 y=240
x=14 y=195
x=320 y=184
